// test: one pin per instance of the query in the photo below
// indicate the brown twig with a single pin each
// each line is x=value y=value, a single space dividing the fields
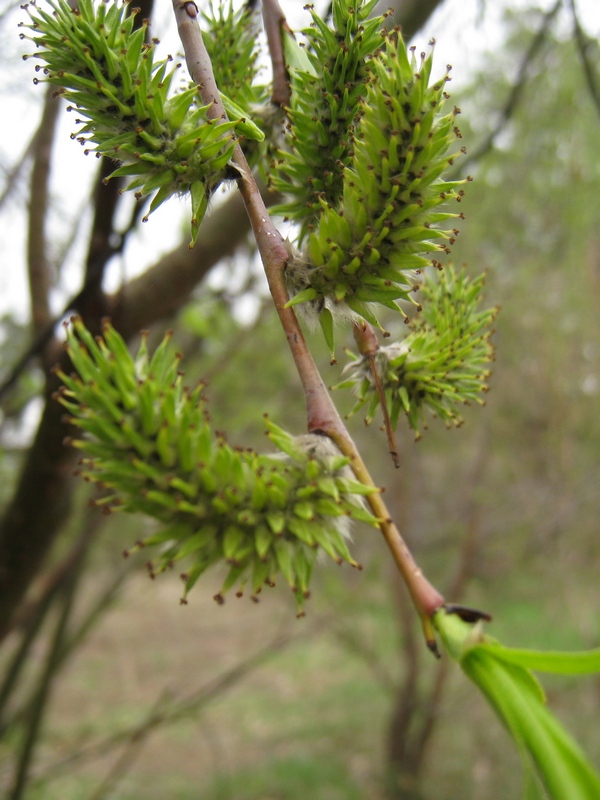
x=368 y=345
x=516 y=91
x=38 y=266
x=583 y=44
x=322 y=414
x=275 y=25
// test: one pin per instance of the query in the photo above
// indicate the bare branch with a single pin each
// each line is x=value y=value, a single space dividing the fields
x=275 y=24
x=583 y=46
x=178 y=708
x=518 y=87
x=38 y=265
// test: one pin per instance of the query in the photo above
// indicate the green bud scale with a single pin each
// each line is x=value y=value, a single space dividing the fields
x=146 y=441
x=441 y=365
x=103 y=64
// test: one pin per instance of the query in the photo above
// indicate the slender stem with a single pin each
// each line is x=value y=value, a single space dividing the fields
x=425 y=596
x=368 y=345
x=321 y=412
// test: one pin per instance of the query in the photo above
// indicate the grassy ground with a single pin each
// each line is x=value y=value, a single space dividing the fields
x=309 y=721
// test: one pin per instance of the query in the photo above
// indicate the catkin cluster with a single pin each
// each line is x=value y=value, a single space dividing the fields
x=369 y=141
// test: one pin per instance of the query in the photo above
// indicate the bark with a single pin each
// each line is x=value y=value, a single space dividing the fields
x=38 y=265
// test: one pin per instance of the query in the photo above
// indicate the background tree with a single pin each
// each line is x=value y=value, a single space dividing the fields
x=38 y=505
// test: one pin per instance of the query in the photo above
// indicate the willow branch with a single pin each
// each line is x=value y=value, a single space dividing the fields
x=273 y=251
x=322 y=414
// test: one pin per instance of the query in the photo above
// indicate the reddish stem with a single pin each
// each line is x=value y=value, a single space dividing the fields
x=368 y=345
x=321 y=412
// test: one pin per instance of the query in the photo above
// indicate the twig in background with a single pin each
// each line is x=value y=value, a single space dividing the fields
x=38 y=262
x=584 y=43
x=180 y=708
x=409 y=735
x=516 y=91
x=41 y=695
x=275 y=24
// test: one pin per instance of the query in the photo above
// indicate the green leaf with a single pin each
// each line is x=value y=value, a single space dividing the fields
x=577 y=663
x=306 y=295
x=517 y=698
x=326 y=322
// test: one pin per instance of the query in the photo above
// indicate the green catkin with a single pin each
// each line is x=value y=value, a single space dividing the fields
x=443 y=362
x=107 y=71
x=156 y=454
x=368 y=141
